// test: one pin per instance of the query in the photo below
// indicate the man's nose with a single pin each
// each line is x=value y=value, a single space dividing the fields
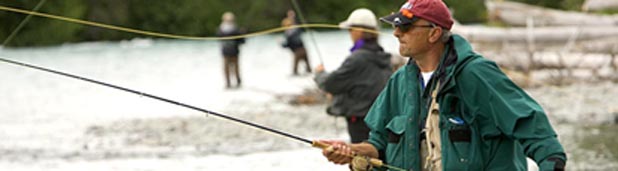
x=397 y=32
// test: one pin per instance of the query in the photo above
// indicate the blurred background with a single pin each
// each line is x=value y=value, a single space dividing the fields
x=563 y=52
x=201 y=17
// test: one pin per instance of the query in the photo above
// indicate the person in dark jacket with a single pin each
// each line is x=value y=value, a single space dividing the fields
x=230 y=48
x=294 y=42
x=361 y=77
x=450 y=109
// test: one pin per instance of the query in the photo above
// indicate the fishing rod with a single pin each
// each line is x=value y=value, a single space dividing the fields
x=303 y=21
x=372 y=161
x=317 y=144
x=157 y=98
x=317 y=48
x=22 y=23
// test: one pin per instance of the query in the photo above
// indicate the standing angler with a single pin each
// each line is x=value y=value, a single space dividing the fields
x=361 y=77
x=449 y=108
x=294 y=41
x=230 y=48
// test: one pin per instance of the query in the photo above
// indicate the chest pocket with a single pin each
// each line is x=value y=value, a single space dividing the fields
x=453 y=120
x=395 y=128
x=396 y=142
x=457 y=134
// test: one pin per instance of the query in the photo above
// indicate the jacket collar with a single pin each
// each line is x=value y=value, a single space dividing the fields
x=459 y=55
x=456 y=55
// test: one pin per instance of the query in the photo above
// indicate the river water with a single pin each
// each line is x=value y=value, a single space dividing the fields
x=49 y=122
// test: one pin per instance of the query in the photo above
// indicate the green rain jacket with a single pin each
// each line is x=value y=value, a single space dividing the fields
x=486 y=121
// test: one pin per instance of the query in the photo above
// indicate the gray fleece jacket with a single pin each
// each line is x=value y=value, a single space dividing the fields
x=358 y=81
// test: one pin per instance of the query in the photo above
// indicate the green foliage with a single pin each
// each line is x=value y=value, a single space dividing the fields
x=111 y=12
x=258 y=15
x=42 y=31
x=468 y=11
x=573 y=5
x=201 y=17
x=545 y=3
x=601 y=142
x=334 y=12
x=556 y=4
x=188 y=17
x=609 y=11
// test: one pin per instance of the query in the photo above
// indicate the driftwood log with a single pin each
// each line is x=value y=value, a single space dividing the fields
x=565 y=38
x=517 y=14
x=540 y=34
x=547 y=67
x=534 y=56
x=598 y=5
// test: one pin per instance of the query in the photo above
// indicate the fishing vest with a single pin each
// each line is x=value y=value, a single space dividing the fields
x=431 y=150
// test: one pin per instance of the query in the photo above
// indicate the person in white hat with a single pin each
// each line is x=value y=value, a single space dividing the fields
x=361 y=77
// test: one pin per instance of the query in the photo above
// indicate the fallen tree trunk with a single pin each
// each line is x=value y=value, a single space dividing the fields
x=554 y=67
x=604 y=45
x=517 y=14
x=551 y=60
x=539 y=34
x=598 y=5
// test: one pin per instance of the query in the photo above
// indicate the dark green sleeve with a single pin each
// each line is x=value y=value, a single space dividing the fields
x=490 y=93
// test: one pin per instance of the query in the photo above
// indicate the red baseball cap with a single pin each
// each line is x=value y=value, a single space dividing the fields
x=434 y=11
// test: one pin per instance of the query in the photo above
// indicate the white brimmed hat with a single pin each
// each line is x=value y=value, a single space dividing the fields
x=360 y=17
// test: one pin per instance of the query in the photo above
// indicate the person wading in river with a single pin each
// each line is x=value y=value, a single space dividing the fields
x=230 y=48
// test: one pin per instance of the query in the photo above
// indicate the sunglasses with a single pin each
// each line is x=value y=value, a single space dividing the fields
x=405 y=27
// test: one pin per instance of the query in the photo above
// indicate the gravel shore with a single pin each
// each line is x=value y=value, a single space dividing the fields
x=194 y=137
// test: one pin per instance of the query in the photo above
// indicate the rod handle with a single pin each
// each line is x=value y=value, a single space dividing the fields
x=373 y=161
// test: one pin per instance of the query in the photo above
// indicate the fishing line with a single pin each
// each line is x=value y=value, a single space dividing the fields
x=165 y=35
x=372 y=161
x=143 y=94
x=174 y=36
x=375 y=162
x=22 y=23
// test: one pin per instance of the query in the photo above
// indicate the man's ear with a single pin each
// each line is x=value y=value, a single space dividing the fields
x=435 y=34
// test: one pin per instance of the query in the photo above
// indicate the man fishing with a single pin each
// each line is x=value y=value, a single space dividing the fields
x=449 y=108
x=293 y=41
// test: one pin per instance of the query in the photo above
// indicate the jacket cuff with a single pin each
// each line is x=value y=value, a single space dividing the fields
x=553 y=163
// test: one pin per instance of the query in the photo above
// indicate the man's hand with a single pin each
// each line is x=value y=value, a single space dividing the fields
x=319 y=68
x=338 y=152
